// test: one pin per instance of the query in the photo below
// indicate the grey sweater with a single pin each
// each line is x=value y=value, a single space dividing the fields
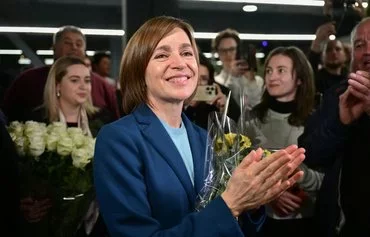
x=277 y=133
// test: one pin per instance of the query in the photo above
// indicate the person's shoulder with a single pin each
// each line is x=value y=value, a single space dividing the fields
x=101 y=82
x=259 y=79
x=124 y=125
x=96 y=78
x=35 y=72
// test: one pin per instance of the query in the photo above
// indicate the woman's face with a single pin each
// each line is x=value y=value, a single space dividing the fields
x=75 y=86
x=280 y=78
x=172 y=72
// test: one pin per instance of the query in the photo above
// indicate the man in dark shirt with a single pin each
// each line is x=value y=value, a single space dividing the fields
x=26 y=92
x=331 y=54
x=337 y=138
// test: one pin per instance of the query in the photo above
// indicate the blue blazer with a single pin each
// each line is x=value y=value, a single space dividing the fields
x=143 y=187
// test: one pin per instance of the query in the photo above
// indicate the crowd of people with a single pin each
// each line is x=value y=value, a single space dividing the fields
x=311 y=109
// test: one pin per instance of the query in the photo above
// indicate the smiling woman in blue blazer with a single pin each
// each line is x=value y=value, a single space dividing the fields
x=148 y=165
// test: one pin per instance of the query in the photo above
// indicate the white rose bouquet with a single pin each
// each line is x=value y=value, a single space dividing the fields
x=56 y=163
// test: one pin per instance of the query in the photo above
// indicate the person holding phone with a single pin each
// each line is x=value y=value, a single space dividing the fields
x=198 y=111
x=236 y=73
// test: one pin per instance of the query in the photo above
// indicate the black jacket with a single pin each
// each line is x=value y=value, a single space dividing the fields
x=342 y=150
x=9 y=183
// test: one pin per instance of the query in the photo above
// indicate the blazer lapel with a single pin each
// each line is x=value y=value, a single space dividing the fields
x=197 y=145
x=156 y=134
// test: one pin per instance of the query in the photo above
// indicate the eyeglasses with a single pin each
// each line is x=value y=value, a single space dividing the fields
x=226 y=50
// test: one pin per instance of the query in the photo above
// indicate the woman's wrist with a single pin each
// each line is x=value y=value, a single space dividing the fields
x=230 y=204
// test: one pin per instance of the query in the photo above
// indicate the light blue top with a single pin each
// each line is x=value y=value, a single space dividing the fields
x=180 y=138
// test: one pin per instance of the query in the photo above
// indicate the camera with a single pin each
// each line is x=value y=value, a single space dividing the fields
x=344 y=16
x=205 y=93
x=342 y=3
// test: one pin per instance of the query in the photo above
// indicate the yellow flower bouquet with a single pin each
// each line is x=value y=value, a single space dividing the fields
x=56 y=164
x=228 y=143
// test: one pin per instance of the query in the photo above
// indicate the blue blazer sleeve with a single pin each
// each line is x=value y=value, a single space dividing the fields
x=138 y=194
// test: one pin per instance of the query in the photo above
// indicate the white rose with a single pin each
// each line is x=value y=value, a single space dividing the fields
x=13 y=136
x=65 y=145
x=90 y=146
x=16 y=128
x=34 y=129
x=77 y=136
x=52 y=141
x=20 y=145
x=80 y=157
x=57 y=127
x=36 y=146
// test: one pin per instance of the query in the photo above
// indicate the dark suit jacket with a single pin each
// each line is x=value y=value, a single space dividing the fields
x=9 y=182
x=143 y=187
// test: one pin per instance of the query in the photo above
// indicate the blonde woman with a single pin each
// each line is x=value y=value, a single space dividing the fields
x=67 y=93
x=67 y=98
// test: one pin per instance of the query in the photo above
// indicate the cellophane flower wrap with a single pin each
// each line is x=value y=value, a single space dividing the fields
x=55 y=164
x=228 y=142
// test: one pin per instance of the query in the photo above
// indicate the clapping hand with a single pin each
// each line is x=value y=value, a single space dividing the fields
x=356 y=99
x=256 y=182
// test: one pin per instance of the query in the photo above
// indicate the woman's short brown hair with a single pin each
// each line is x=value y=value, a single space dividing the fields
x=137 y=54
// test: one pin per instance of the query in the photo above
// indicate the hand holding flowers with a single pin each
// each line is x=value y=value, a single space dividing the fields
x=256 y=182
x=56 y=172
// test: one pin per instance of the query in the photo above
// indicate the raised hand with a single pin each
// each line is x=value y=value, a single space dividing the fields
x=322 y=34
x=356 y=99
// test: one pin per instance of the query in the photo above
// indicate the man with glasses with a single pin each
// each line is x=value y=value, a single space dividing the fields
x=236 y=73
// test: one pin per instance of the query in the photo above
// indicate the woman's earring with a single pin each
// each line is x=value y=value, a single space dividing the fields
x=58 y=94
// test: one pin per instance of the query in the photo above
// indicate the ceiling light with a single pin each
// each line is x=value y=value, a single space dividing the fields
x=90 y=53
x=313 y=3
x=211 y=55
x=215 y=55
x=52 y=30
x=49 y=61
x=11 y=51
x=250 y=8
x=50 y=52
x=45 y=52
x=260 y=55
x=24 y=61
x=208 y=55
x=247 y=36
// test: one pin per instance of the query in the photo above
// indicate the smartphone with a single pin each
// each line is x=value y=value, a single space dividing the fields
x=205 y=93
